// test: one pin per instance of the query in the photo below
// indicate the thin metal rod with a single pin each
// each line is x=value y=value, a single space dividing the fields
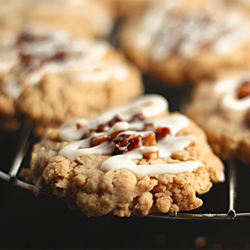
x=23 y=184
x=21 y=152
x=190 y=216
x=232 y=189
x=4 y=176
x=12 y=176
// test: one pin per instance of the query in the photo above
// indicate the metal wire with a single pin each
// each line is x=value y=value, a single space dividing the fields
x=12 y=176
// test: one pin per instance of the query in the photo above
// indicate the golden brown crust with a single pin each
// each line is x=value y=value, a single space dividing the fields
x=83 y=185
x=225 y=128
x=178 y=66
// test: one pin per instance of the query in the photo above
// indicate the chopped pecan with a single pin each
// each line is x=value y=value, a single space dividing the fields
x=116 y=119
x=150 y=140
x=127 y=142
x=79 y=126
x=32 y=62
x=106 y=126
x=149 y=127
x=25 y=37
x=137 y=117
x=243 y=90
x=98 y=140
x=87 y=133
x=161 y=132
x=151 y=155
x=59 y=56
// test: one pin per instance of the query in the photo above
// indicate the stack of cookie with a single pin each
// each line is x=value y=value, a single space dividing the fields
x=106 y=147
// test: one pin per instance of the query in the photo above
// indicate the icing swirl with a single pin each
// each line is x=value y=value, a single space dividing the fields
x=215 y=27
x=228 y=88
x=131 y=136
x=46 y=49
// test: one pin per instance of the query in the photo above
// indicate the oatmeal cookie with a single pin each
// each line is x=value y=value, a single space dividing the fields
x=134 y=159
x=221 y=107
x=180 y=42
x=47 y=76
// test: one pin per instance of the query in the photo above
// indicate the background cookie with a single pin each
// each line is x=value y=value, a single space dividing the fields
x=188 y=40
x=128 y=8
x=221 y=108
x=93 y=18
x=52 y=77
x=126 y=162
x=82 y=18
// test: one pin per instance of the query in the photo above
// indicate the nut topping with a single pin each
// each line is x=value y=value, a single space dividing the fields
x=127 y=142
x=243 y=90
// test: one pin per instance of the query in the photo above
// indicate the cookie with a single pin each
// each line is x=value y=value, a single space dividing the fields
x=93 y=18
x=182 y=42
x=82 y=18
x=49 y=77
x=12 y=14
x=221 y=108
x=134 y=159
x=127 y=8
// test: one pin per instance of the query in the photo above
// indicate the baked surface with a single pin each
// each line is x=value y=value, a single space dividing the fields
x=110 y=173
x=188 y=41
x=82 y=18
x=221 y=107
x=49 y=76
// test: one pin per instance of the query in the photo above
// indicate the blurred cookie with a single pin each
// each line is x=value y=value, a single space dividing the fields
x=134 y=159
x=127 y=8
x=48 y=77
x=221 y=107
x=184 y=41
x=82 y=18
x=93 y=18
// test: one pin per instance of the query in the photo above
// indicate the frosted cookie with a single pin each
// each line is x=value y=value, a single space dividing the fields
x=221 y=107
x=182 y=41
x=47 y=77
x=134 y=159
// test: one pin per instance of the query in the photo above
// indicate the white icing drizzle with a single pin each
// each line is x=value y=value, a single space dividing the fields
x=149 y=105
x=171 y=144
x=123 y=161
x=174 y=122
x=228 y=87
x=78 y=148
x=165 y=146
x=216 y=27
x=85 y=59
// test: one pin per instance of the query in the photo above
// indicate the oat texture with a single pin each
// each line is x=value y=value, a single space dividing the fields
x=85 y=186
x=187 y=42
x=227 y=129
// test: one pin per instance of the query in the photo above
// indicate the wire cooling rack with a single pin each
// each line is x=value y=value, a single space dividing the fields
x=18 y=163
